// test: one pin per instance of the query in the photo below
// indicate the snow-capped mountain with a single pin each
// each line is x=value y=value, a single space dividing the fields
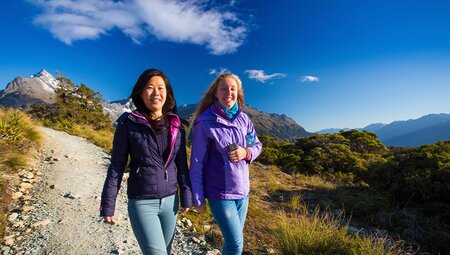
x=22 y=92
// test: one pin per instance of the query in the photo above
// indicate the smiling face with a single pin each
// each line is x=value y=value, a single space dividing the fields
x=227 y=92
x=154 y=95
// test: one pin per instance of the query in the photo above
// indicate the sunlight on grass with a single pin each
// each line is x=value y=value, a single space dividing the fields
x=101 y=138
x=323 y=233
x=19 y=138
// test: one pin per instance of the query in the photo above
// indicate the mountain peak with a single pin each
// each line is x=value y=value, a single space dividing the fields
x=22 y=92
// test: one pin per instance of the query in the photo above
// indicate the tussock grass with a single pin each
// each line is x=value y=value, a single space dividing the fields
x=18 y=138
x=324 y=233
x=102 y=138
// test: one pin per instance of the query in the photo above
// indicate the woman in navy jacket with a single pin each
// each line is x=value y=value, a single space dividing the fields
x=153 y=137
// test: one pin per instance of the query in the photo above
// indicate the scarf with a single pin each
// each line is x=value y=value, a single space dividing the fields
x=228 y=112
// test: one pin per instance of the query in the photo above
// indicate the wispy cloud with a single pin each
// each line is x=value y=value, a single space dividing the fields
x=177 y=21
x=222 y=70
x=309 y=78
x=262 y=77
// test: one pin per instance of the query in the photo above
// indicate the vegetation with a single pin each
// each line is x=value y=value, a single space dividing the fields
x=402 y=190
x=18 y=139
x=78 y=111
x=325 y=233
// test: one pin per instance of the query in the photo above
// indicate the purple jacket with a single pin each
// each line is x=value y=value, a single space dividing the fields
x=151 y=177
x=212 y=174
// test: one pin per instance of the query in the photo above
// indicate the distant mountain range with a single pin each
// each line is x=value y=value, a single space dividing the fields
x=277 y=125
x=414 y=132
x=40 y=88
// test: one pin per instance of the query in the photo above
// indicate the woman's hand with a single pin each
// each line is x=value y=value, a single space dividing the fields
x=184 y=210
x=109 y=219
x=200 y=208
x=238 y=154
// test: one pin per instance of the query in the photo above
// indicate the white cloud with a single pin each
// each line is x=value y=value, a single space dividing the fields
x=262 y=77
x=169 y=20
x=222 y=70
x=309 y=78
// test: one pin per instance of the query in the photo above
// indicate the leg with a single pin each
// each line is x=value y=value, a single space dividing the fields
x=168 y=218
x=146 y=225
x=230 y=220
x=242 y=207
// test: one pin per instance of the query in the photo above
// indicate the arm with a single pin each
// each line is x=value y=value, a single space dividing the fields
x=184 y=182
x=119 y=158
x=198 y=154
x=254 y=146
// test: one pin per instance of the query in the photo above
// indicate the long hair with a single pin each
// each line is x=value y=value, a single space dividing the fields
x=209 y=98
x=141 y=83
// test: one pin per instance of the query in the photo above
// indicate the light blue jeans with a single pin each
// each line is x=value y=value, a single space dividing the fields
x=230 y=216
x=153 y=222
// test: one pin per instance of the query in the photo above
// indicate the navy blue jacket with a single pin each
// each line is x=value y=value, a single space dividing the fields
x=150 y=177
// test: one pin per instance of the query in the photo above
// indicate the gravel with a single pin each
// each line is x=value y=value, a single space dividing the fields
x=59 y=213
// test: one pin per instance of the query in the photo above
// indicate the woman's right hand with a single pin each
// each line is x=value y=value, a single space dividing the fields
x=109 y=219
x=200 y=208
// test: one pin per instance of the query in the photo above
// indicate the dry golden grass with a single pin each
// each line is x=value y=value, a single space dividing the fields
x=19 y=139
x=101 y=138
x=325 y=233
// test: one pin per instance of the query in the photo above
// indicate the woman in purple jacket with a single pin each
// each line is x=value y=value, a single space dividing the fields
x=224 y=142
x=154 y=138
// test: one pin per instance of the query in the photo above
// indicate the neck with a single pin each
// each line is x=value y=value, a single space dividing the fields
x=155 y=115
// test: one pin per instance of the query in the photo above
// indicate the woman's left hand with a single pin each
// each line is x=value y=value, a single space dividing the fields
x=184 y=210
x=238 y=154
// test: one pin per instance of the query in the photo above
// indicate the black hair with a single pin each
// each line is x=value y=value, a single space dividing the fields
x=169 y=106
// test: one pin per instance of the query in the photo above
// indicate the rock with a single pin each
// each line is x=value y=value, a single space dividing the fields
x=19 y=224
x=71 y=196
x=16 y=195
x=13 y=217
x=29 y=175
x=206 y=228
x=63 y=221
x=6 y=250
x=25 y=185
x=9 y=240
x=27 y=208
x=41 y=223
x=213 y=252
x=26 y=197
x=269 y=250
x=196 y=240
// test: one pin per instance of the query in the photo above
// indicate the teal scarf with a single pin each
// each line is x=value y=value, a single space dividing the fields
x=229 y=112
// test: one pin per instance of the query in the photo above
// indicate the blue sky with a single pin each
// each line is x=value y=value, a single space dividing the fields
x=323 y=63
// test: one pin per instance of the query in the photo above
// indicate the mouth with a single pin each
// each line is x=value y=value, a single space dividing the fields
x=155 y=100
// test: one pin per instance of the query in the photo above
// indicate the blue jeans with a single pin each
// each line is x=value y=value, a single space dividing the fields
x=153 y=222
x=230 y=216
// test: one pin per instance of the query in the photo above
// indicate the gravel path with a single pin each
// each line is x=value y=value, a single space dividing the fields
x=59 y=213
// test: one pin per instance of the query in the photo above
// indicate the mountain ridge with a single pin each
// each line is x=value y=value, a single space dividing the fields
x=412 y=132
x=40 y=88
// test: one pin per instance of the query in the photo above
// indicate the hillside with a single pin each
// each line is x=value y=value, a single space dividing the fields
x=277 y=125
x=427 y=129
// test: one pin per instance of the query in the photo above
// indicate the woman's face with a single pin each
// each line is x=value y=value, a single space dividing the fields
x=227 y=92
x=154 y=95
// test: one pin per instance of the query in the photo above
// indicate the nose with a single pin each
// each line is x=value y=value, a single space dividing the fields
x=155 y=92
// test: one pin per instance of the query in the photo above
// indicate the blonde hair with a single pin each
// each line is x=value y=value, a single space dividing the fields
x=209 y=98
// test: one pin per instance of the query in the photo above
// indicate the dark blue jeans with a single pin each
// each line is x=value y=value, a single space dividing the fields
x=230 y=216
x=153 y=222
